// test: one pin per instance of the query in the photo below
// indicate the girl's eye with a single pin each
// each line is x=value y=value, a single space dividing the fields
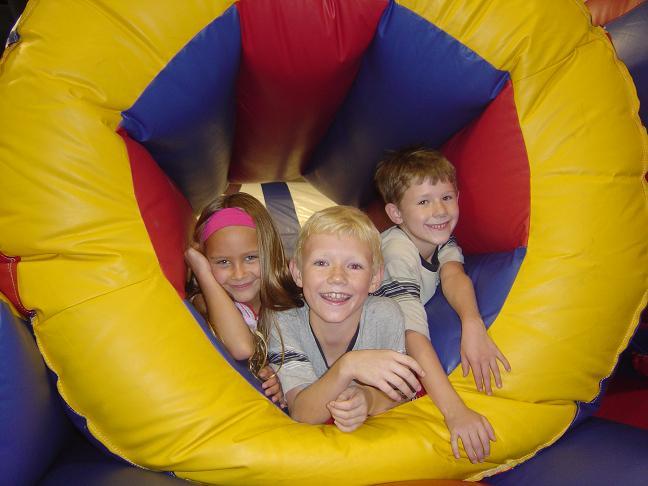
x=251 y=258
x=221 y=262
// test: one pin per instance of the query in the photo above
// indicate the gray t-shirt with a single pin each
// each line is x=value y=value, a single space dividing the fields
x=382 y=326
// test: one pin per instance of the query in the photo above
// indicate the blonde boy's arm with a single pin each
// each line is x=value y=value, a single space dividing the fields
x=390 y=372
x=478 y=351
x=473 y=429
x=224 y=318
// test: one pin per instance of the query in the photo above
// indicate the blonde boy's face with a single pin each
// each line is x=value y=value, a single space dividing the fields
x=428 y=213
x=336 y=276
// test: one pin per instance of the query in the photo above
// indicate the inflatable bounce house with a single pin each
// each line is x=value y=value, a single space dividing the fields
x=120 y=119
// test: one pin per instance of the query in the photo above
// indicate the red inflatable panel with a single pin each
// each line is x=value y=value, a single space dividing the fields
x=604 y=11
x=298 y=61
x=9 y=282
x=491 y=159
x=164 y=209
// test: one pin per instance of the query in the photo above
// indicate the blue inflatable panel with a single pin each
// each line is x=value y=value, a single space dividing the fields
x=281 y=207
x=33 y=425
x=596 y=453
x=185 y=116
x=81 y=464
x=492 y=275
x=630 y=38
x=416 y=85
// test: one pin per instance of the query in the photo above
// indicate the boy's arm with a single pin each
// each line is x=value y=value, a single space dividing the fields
x=356 y=403
x=224 y=318
x=473 y=429
x=388 y=371
x=478 y=351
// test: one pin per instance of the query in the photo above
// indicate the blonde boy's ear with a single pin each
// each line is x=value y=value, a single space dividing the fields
x=295 y=272
x=393 y=213
x=377 y=279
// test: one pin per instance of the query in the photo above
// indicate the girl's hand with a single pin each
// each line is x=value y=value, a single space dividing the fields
x=389 y=371
x=198 y=262
x=350 y=409
x=479 y=353
x=271 y=385
x=473 y=429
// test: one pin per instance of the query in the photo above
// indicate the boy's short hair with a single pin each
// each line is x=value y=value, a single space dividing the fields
x=412 y=165
x=342 y=221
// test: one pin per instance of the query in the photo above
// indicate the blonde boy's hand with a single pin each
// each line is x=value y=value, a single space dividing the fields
x=473 y=429
x=350 y=409
x=271 y=385
x=479 y=353
x=389 y=371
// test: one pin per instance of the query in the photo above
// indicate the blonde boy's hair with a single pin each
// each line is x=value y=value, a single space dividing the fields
x=342 y=221
x=413 y=165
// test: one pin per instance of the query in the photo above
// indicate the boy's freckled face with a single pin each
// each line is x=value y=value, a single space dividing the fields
x=336 y=276
x=234 y=257
x=428 y=213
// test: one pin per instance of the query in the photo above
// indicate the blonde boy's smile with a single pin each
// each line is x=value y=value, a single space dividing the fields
x=336 y=276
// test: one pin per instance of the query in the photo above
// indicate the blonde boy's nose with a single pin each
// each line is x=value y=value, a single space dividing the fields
x=336 y=274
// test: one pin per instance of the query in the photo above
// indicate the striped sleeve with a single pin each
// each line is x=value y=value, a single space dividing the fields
x=402 y=282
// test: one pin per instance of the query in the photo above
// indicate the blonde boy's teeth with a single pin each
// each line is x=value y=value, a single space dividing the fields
x=335 y=296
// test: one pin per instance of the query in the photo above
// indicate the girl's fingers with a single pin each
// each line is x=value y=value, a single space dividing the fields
x=477 y=375
x=489 y=429
x=454 y=443
x=496 y=373
x=504 y=361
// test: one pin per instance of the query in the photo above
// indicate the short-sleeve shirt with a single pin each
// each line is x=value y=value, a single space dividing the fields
x=381 y=327
x=409 y=278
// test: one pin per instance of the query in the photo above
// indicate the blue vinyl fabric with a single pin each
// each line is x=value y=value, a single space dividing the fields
x=596 y=453
x=185 y=117
x=416 y=85
x=492 y=275
x=34 y=427
x=630 y=38
x=281 y=207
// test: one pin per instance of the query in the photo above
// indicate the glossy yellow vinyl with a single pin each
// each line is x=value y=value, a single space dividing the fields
x=129 y=356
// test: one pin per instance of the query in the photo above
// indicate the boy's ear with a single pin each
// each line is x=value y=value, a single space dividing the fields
x=393 y=213
x=295 y=272
x=377 y=279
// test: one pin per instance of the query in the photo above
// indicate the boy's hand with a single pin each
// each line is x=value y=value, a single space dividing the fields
x=479 y=353
x=473 y=429
x=389 y=371
x=197 y=261
x=271 y=385
x=350 y=409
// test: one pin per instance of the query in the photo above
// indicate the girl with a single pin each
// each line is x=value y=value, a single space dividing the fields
x=242 y=277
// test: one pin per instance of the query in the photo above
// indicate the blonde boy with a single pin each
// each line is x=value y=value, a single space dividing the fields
x=419 y=188
x=343 y=352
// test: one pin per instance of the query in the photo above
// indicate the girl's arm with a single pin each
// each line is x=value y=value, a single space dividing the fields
x=224 y=318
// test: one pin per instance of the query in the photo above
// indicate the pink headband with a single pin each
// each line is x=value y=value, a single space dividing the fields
x=224 y=218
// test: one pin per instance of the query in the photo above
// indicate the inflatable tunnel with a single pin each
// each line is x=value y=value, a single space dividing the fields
x=119 y=118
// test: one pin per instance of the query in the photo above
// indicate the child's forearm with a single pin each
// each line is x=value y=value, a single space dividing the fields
x=225 y=319
x=309 y=405
x=460 y=294
x=377 y=401
x=435 y=380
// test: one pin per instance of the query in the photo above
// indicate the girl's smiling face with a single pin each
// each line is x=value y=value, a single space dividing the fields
x=233 y=253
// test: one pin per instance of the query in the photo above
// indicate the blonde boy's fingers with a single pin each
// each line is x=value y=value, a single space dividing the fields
x=406 y=374
x=387 y=389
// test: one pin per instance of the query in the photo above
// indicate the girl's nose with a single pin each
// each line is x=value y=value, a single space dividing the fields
x=238 y=271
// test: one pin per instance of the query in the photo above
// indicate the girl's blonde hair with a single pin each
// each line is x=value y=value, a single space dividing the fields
x=278 y=290
x=342 y=221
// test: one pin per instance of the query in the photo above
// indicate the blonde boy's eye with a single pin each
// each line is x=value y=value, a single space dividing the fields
x=356 y=266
